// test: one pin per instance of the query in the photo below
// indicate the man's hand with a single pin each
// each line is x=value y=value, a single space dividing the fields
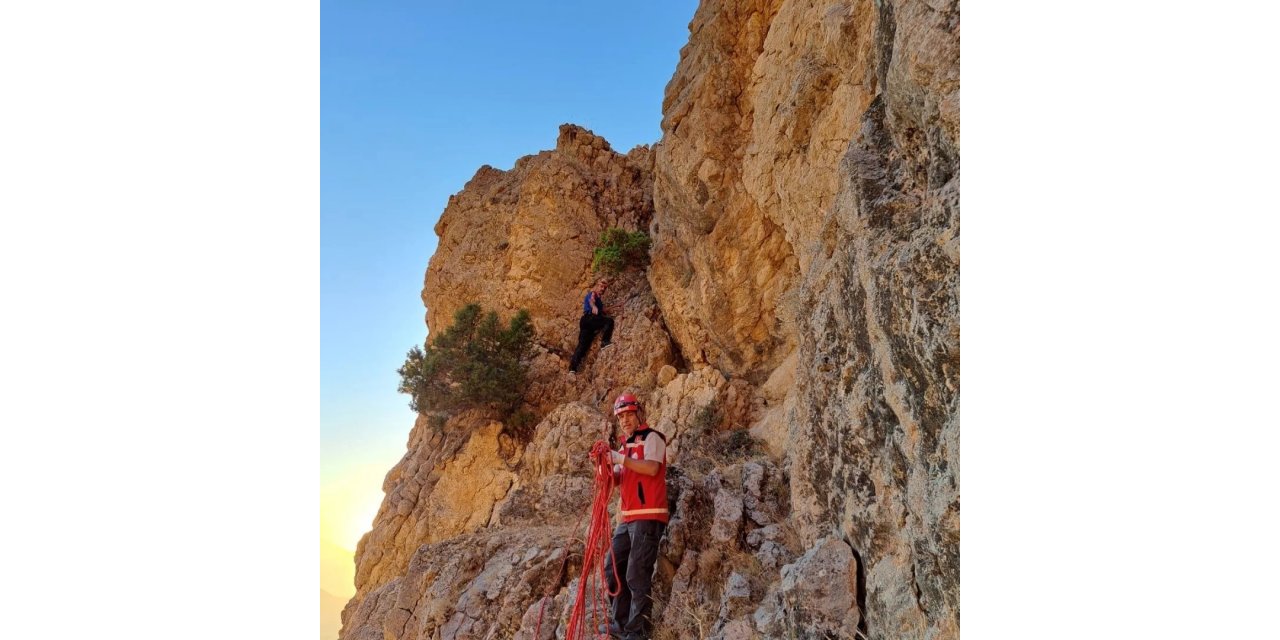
x=598 y=451
x=615 y=457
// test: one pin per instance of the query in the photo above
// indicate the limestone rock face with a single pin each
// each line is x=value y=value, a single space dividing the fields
x=555 y=483
x=718 y=561
x=773 y=404
x=807 y=207
x=523 y=239
x=816 y=598
x=763 y=105
x=445 y=485
x=478 y=585
x=875 y=425
x=721 y=264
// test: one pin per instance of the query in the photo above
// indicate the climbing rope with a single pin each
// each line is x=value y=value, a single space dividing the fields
x=596 y=547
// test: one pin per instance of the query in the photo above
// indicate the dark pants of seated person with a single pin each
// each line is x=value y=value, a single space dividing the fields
x=635 y=549
x=588 y=327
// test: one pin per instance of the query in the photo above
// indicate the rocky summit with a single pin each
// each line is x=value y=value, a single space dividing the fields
x=795 y=335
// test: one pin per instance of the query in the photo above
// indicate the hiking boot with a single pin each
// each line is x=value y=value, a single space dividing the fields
x=612 y=629
x=606 y=346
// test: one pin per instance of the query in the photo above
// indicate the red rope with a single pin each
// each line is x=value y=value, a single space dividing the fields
x=597 y=546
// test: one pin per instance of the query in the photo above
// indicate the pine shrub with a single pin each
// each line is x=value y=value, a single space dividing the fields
x=619 y=250
x=474 y=364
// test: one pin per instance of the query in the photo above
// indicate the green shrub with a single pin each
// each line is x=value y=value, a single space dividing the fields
x=474 y=364
x=620 y=249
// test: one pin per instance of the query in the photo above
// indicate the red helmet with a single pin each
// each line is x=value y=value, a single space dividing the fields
x=625 y=402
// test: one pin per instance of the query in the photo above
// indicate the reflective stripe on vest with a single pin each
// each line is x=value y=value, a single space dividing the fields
x=640 y=512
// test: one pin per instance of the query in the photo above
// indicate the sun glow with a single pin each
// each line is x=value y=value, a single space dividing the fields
x=349 y=504
x=362 y=514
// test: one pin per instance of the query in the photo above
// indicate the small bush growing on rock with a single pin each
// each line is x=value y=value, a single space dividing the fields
x=474 y=364
x=706 y=420
x=739 y=445
x=620 y=249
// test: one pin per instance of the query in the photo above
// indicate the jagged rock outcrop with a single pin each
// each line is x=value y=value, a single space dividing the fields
x=796 y=338
x=523 y=239
x=695 y=405
x=473 y=586
x=815 y=598
x=554 y=485
x=445 y=485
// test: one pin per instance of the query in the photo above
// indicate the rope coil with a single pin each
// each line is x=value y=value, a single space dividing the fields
x=597 y=546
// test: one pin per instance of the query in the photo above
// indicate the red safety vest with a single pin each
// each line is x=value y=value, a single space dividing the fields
x=643 y=497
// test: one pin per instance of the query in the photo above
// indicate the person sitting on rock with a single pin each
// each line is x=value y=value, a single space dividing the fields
x=641 y=466
x=594 y=320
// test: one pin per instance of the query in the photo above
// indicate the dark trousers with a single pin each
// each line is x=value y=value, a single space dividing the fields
x=635 y=549
x=588 y=326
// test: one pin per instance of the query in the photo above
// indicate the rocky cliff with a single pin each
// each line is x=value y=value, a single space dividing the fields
x=796 y=336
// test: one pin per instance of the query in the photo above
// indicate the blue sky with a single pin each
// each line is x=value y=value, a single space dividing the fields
x=414 y=98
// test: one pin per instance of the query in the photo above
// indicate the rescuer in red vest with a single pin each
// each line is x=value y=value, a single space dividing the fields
x=641 y=466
